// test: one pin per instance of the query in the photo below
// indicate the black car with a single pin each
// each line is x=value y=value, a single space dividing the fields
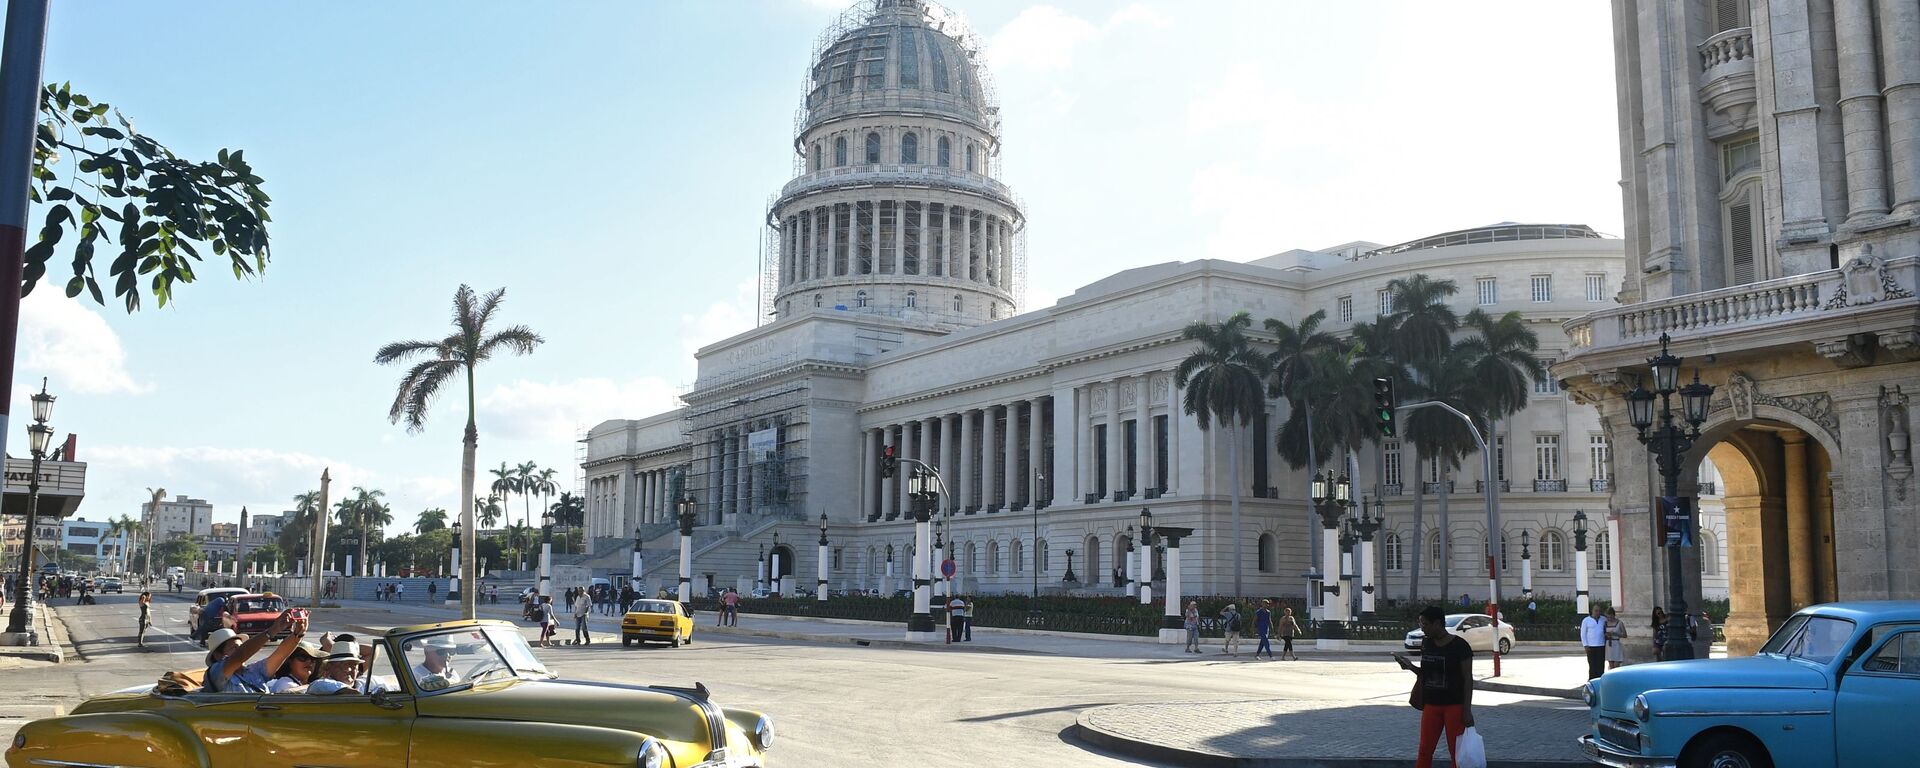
x=111 y=585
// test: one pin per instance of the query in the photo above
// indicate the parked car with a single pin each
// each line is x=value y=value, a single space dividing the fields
x=1477 y=628
x=209 y=593
x=255 y=613
x=498 y=701
x=111 y=585
x=667 y=620
x=1834 y=687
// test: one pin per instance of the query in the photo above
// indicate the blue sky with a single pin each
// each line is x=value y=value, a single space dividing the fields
x=609 y=163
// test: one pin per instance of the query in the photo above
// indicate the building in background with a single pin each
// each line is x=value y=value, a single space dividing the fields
x=180 y=516
x=1771 y=158
x=93 y=539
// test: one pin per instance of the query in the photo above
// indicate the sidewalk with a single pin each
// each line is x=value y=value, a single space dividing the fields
x=1320 y=734
x=48 y=630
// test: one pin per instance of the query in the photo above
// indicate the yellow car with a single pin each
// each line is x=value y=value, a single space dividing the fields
x=666 y=620
x=462 y=693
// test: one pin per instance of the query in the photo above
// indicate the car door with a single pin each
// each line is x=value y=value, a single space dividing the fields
x=1875 y=703
x=341 y=731
x=1478 y=631
x=685 y=620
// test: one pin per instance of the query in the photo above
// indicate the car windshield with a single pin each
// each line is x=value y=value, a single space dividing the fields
x=1454 y=620
x=1814 y=638
x=259 y=605
x=653 y=606
x=447 y=660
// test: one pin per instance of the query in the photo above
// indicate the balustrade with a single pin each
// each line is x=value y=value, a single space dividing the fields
x=1733 y=45
x=1550 y=486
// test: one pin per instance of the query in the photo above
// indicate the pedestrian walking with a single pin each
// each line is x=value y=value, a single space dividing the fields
x=956 y=618
x=1616 y=639
x=543 y=613
x=1263 y=625
x=399 y=592
x=1659 y=633
x=582 y=610
x=966 y=616
x=1289 y=628
x=1593 y=640
x=1443 y=690
x=730 y=608
x=1230 y=621
x=431 y=589
x=1700 y=628
x=1190 y=619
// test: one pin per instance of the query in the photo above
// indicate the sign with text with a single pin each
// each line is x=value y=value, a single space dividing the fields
x=1677 y=512
x=62 y=484
x=762 y=445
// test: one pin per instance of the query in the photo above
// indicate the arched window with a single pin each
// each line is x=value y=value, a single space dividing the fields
x=816 y=301
x=1013 y=552
x=860 y=299
x=873 y=149
x=1504 y=557
x=993 y=557
x=956 y=302
x=1092 y=563
x=1602 y=552
x=1269 y=550
x=873 y=561
x=973 y=563
x=969 y=155
x=993 y=311
x=1433 y=550
x=1046 y=557
x=943 y=155
x=913 y=299
x=1395 y=552
x=1553 y=551
x=839 y=151
x=1709 y=554
x=910 y=149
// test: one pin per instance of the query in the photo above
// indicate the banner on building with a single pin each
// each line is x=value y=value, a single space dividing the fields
x=762 y=445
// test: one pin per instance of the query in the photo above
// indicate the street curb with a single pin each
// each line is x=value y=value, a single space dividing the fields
x=1168 y=755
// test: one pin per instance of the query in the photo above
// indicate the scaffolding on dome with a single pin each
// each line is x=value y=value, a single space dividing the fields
x=938 y=18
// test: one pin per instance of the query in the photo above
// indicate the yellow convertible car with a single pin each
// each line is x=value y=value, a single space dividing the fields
x=667 y=620
x=462 y=693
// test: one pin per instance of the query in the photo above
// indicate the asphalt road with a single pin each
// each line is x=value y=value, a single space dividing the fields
x=839 y=705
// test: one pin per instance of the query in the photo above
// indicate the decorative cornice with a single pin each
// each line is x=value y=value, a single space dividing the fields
x=953 y=390
x=641 y=456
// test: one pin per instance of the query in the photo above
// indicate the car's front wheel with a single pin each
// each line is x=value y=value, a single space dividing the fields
x=1725 y=749
x=1506 y=646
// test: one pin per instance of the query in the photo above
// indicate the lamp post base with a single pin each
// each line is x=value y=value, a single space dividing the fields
x=920 y=629
x=1332 y=636
x=1173 y=636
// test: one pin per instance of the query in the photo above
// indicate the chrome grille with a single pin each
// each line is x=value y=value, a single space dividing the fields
x=1621 y=734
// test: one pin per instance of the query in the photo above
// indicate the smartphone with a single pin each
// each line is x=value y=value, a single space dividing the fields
x=299 y=614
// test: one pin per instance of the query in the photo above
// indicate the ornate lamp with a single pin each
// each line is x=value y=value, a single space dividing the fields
x=1694 y=399
x=1640 y=406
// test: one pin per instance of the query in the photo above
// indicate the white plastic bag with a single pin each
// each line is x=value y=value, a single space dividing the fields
x=1472 y=752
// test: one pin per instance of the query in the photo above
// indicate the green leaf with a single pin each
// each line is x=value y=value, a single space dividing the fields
x=103 y=132
x=60 y=193
x=75 y=286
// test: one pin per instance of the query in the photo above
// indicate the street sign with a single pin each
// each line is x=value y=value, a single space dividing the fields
x=948 y=568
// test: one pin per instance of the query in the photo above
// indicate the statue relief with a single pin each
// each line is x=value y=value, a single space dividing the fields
x=1740 y=392
x=1099 y=398
x=1157 y=388
x=1893 y=425
x=1864 y=279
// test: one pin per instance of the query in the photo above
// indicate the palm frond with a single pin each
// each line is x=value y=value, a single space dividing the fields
x=417 y=390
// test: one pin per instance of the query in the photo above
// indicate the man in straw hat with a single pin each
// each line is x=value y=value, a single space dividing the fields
x=227 y=667
x=337 y=673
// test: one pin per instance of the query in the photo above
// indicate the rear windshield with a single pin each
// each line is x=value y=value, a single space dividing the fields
x=1814 y=638
x=259 y=605
x=653 y=606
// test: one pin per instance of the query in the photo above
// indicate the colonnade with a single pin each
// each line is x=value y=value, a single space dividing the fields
x=897 y=237
x=1879 y=106
x=619 y=502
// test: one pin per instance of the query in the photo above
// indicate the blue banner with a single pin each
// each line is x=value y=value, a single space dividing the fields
x=1677 y=511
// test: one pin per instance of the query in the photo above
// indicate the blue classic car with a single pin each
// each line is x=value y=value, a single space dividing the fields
x=1837 y=685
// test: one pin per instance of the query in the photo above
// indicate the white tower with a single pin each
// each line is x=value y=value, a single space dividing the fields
x=895 y=210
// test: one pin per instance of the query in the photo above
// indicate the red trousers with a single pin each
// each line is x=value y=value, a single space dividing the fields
x=1432 y=718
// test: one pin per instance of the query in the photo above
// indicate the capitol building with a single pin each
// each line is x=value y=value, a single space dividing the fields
x=897 y=318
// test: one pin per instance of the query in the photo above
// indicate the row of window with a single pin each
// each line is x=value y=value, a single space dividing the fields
x=909 y=152
x=862 y=301
x=1546 y=459
x=967 y=556
x=1486 y=293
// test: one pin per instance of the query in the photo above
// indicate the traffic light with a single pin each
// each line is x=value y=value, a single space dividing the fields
x=887 y=461
x=1383 y=405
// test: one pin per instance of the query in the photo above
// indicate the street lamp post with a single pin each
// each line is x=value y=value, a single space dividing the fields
x=1146 y=556
x=639 y=564
x=1366 y=527
x=1526 y=566
x=923 y=497
x=820 y=583
x=1038 y=478
x=773 y=565
x=686 y=549
x=1172 y=624
x=1331 y=498
x=940 y=586
x=1580 y=561
x=760 y=569
x=453 y=584
x=1126 y=563
x=1669 y=445
x=546 y=554
x=37 y=435
x=1349 y=542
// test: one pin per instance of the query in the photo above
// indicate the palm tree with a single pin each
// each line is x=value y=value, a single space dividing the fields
x=471 y=344
x=1222 y=378
x=1423 y=331
x=524 y=479
x=1375 y=342
x=120 y=529
x=543 y=483
x=1503 y=362
x=430 y=520
x=1443 y=438
x=368 y=515
x=570 y=510
x=489 y=510
x=506 y=482
x=1295 y=349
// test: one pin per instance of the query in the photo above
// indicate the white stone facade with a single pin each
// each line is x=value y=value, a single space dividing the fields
x=180 y=516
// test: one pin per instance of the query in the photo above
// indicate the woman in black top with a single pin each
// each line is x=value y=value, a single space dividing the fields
x=1444 y=691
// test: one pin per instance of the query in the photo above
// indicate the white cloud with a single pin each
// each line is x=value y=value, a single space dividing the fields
x=721 y=319
x=63 y=339
x=1044 y=38
x=555 y=411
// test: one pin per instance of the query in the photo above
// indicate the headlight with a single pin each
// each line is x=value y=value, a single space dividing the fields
x=19 y=740
x=652 y=755
x=1640 y=710
x=1586 y=692
x=763 y=733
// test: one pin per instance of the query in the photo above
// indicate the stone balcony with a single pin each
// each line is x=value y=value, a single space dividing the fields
x=1849 y=315
x=1727 y=81
x=917 y=175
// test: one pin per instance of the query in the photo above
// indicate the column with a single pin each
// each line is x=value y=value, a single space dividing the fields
x=715 y=480
x=853 y=238
x=988 y=445
x=1580 y=597
x=950 y=457
x=1042 y=490
x=1172 y=625
x=966 y=241
x=1010 y=461
x=1800 y=539
x=1367 y=589
x=889 y=486
x=869 y=457
x=820 y=580
x=1899 y=37
x=833 y=238
x=926 y=264
x=926 y=447
x=1116 y=445
x=744 y=454
x=1083 y=463
x=906 y=470
x=1143 y=437
x=1860 y=111
x=966 y=462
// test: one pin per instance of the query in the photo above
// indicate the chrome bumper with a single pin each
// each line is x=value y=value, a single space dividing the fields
x=1608 y=756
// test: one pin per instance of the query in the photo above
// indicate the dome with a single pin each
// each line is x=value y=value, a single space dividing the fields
x=904 y=55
